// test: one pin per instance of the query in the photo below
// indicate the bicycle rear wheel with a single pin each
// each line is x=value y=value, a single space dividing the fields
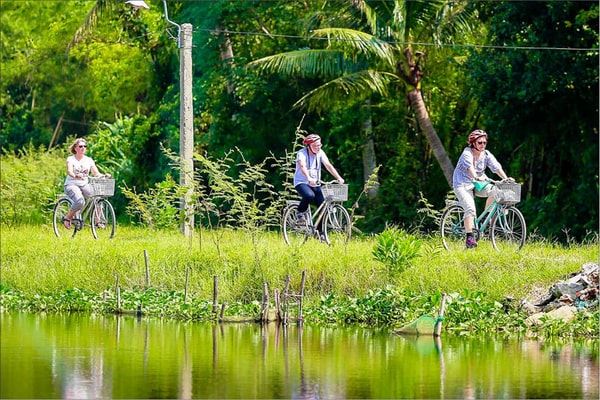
x=294 y=233
x=102 y=220
x=338 y=227
x=508 y=229
x=452 y=228
x=61 y=208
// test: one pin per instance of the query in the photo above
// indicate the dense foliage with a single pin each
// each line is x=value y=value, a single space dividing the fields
x=114 y=79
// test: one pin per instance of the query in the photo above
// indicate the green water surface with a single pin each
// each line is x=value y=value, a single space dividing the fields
x=81 y=356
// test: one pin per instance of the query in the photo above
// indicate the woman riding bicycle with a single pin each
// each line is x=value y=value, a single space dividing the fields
x=469 y=176
x=77 y=188
x=308 y=173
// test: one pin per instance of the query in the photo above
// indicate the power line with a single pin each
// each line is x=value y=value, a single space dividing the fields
x=452 y=45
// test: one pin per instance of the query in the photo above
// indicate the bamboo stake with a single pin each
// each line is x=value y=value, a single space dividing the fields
x=185 y=289
x=300 y=317
x=118 y=291
x=265 y=303
x=277 y=304
x=285 y=300
x=437 y=330
x=215 y=294
x=222 y=312
x=147 y=264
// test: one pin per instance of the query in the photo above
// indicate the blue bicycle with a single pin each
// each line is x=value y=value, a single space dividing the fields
x=501 y=221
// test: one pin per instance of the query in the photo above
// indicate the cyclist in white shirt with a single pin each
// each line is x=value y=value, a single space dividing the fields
x=77 y=188
x=469 y=178
x=308 y=173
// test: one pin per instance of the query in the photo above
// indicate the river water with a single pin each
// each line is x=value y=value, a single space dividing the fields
x=80 y=356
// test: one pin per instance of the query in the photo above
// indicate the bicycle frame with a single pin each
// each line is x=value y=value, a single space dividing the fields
x=319 y=214
x=84 y=214
x=484 y=219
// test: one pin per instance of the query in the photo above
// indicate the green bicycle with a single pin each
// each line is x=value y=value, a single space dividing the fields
x=501 y=220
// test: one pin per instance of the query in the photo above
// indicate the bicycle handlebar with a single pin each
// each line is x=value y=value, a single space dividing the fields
x=327 y=183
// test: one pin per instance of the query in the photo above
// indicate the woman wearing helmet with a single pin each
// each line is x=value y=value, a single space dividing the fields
x=469 y=173
x=308 y=173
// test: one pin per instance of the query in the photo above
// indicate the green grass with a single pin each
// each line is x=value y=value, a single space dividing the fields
x=34 y=261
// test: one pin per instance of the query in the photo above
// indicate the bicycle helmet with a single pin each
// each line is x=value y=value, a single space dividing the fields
x=311 y=139
x=476 y=134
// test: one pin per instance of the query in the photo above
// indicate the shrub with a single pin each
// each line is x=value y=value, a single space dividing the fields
x=29 y=183
x=396 y=249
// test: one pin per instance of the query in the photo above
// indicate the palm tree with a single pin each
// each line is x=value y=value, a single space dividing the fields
x=358 y=63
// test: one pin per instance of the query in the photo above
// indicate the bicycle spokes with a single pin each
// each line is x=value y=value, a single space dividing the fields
x=452 y=228
x=296 y=229
x=102 y=220
x=61 y=209
x=508 y=229
x=337 y=227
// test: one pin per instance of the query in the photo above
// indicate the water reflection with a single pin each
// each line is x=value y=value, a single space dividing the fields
x=81 y=356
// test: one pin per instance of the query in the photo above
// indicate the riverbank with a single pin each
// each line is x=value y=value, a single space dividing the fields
x=343 y=285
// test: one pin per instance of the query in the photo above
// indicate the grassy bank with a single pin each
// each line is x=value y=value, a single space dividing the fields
x=34 y=262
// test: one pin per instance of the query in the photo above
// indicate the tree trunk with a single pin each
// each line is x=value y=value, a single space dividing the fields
x=368 y=156
x=418 y=105
x=226 y=54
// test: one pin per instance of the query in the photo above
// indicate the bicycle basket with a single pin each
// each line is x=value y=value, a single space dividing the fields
x=102 y=186
x=507 y=192
x=336 y=191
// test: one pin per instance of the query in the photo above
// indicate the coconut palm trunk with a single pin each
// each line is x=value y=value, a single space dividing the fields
x=418 y=105
x=411 y=73
x=368 y=155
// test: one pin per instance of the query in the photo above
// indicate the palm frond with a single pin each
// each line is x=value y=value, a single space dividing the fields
x=399 y=20
x=305 y=63
x=362 y=42
x=369 y=14
x=99 y=7
x=358 y=84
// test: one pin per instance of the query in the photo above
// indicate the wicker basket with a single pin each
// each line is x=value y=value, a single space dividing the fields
x=507 y=192
x=102 y=186
x=335 y=191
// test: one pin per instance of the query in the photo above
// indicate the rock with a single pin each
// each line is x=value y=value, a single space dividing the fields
x=564 y=313
x=535 y=319
x=529 y=308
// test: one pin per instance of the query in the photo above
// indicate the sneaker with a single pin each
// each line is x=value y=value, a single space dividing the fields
x=471 y=242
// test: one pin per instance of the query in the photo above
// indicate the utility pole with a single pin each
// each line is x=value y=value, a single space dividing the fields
x=186 y=114
x=186 y=128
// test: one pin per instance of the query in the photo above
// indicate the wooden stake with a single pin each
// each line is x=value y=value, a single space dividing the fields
x=118 y=292
x=285 y=300
x=185 y=290
x=222 y=312
x=277 y=304
x=265 y=303
x=147 y=263
x=437 y=330
x=300 y=318
x=215 y=294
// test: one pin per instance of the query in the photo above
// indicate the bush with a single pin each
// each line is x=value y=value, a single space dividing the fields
x=30 y=181
x=396 y=249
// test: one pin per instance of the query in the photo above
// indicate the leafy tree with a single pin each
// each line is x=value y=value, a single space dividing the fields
x=359 y=63
x=541 y=108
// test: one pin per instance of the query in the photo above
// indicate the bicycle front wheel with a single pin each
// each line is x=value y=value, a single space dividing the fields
x=508 y=229
x=452 y=228
x=61 y=208
x=338 y=227
x=295 y=233
x=102 y=220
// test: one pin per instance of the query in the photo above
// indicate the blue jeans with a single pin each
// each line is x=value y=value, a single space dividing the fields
x=309 y=194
